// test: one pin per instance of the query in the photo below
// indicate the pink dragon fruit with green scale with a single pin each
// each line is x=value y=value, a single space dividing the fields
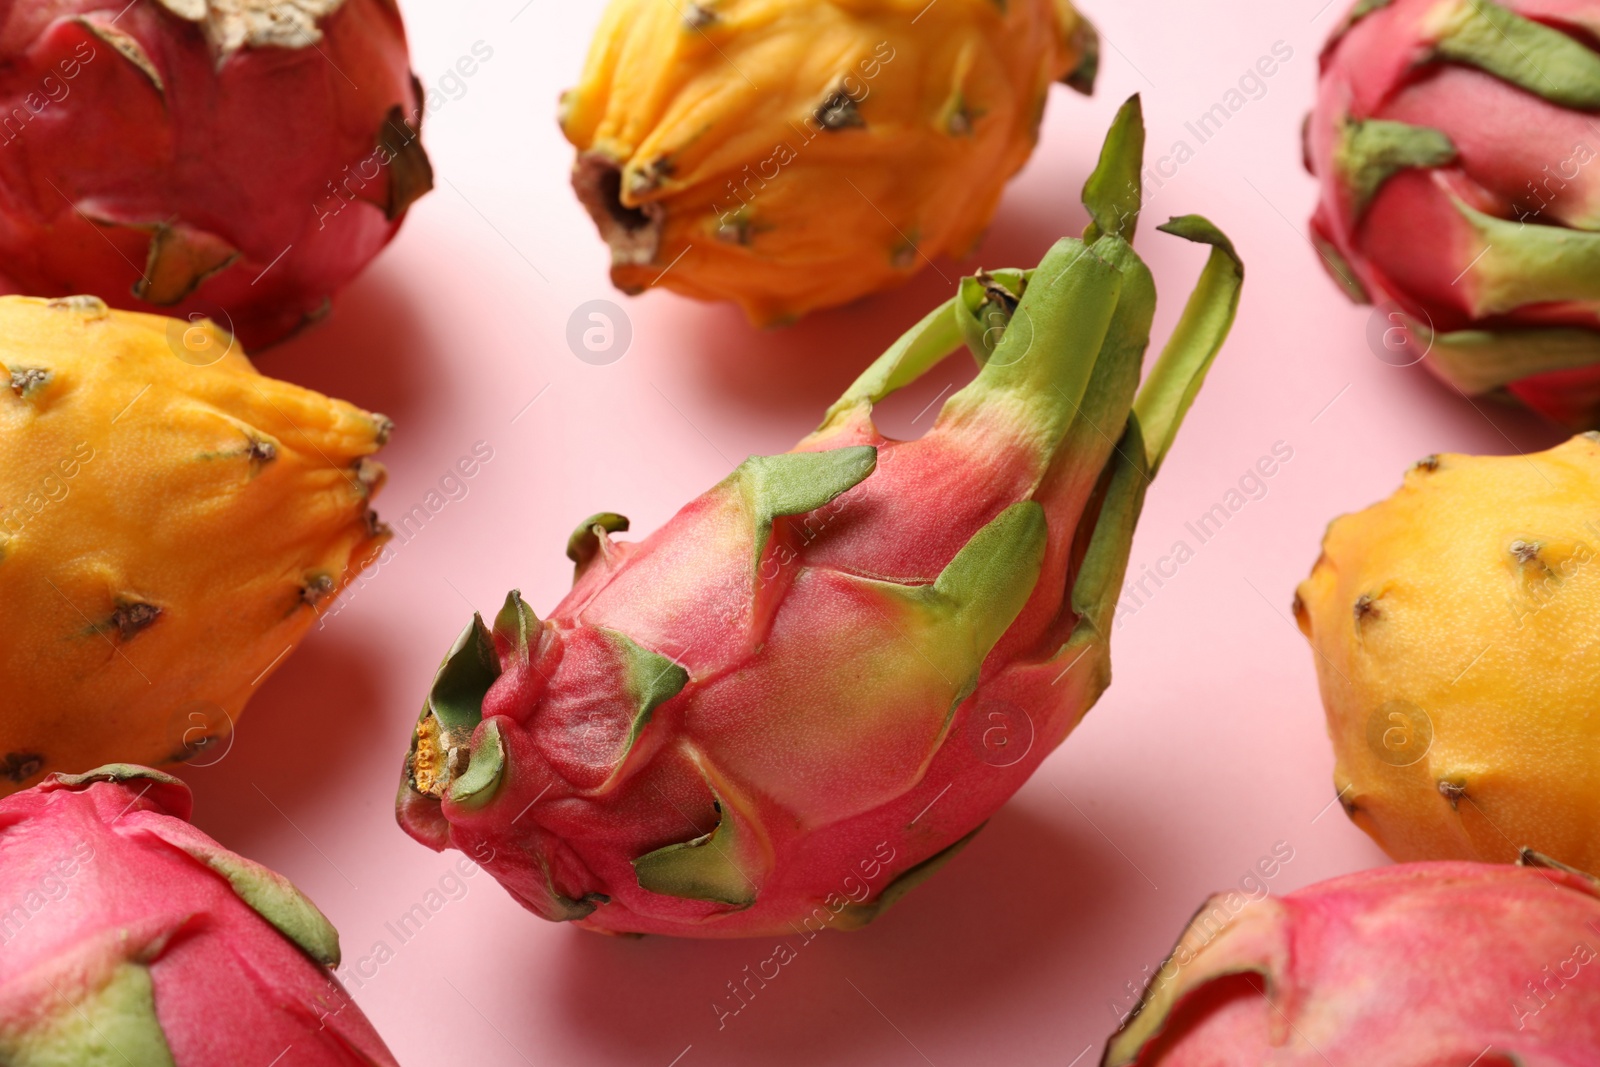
x=1420 y=965
x=812 y=685
x=128 y=938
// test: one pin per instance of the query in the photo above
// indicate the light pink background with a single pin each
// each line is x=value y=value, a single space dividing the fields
x=1207 y=751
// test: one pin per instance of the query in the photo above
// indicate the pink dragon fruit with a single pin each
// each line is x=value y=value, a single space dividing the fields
x=237 y=160
x=812 y=685
x=128 y=937
x=1421 y=965
x=1456 y=145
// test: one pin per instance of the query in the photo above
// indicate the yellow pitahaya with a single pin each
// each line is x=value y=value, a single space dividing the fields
x=794 y=154
x=1457 y=632
x=170 y=523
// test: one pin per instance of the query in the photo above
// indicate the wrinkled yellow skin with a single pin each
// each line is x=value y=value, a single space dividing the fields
x=132 y=477
x=715 y=129
x=1484 y=575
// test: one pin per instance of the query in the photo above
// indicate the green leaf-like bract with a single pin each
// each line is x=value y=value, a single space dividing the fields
x=477 y=785
x=1521 y=265
x=1481 y=361
x=1113 y=193
x=704 y=868
x=468 y=670
x=584 y=544
x=956 y=621
x=795 y=483
x=1204 y=325
x=855 y=916
x=1371 y=152
x=650 y=678
x=110 y=1024
x=515 y=624
x=269 y=894
x=1528 y=54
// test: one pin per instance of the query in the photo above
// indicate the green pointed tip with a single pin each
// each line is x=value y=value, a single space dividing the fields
x=1008 y=552
x=115 y=772
x=1201 y=230
x=1114 y=192
x=855 y=916
x=704 y=868
x=651 y=679
x=584 y=544
x=1477 y=362
x=268 y=893
x=515 y=625
x=795 y=483
x=1207 y=318
x=452 y=711
x=956 y=621
x=478 y=785
x=1521 y=265
x=276 y=900
x=468 y=670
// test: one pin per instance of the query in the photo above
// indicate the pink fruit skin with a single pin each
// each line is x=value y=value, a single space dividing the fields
x=248 y=151
x=905 y=522
x=1421 y=965
x=95 y=874
x=1516 y=161
x=786 y=706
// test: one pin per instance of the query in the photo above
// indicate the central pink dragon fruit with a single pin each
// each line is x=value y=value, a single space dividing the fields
x=128 y=938
x=1422 y=965
x=813 y=685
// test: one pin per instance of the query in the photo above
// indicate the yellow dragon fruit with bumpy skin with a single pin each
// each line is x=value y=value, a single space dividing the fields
x=1458 y=649
x=170 y=521
x=795 y=154
x=793 y=701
